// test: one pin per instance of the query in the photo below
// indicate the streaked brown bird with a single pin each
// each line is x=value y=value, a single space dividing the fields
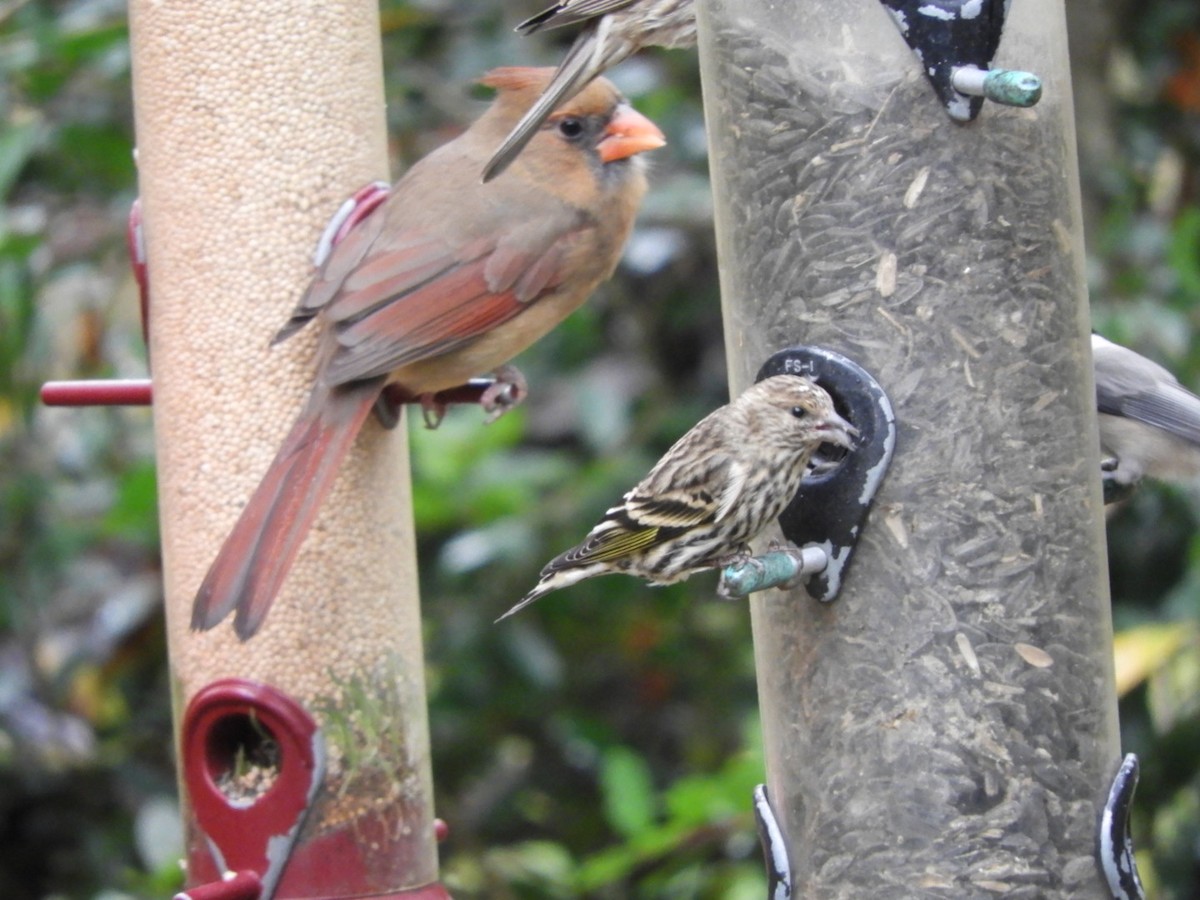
x=448 y=279
x=719 y=486
x=616 y=29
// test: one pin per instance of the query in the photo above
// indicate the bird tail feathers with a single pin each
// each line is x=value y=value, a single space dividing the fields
x=553 y=580
x=544 y=19
x=258 y=553
x=578 y=68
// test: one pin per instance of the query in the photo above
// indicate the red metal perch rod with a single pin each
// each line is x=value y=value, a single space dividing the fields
x=138 y=392
x=126 y=392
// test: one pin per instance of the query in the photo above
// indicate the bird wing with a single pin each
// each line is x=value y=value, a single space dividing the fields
x=1167 y=406
x=345 y=255
x=570 y=12
x=696 y=481
x=413 y=296
x=1121 y=373
x=613 y=538
x=702 y=491
x=1130 y=385
x=661 y=507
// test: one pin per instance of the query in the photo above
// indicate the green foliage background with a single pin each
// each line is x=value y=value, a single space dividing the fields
x=605 y=743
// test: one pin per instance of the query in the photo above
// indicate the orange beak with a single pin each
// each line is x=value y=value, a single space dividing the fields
x=628 y=133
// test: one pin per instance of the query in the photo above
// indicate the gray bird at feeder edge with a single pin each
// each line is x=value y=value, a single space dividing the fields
x=1149 y=422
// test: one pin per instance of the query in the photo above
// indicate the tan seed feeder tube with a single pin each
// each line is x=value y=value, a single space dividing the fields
x=307 y=749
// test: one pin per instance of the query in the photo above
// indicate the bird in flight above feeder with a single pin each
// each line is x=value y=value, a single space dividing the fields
x=615 y=30
x=447 y=279
x=715 y=490
x=1149 y=422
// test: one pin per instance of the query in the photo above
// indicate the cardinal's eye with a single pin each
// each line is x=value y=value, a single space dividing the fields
x=570 y=127
x=799 y=412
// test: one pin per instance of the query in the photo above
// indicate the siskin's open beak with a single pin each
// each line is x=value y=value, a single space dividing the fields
x=628 y=133
x=836 y=430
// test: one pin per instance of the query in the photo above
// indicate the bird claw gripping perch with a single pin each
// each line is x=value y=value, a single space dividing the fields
x=955 y=43
x=1114 y=843
x=774 y=847
x=1115 y=490
x=507 y=392
x=824 y=520
x=496 y=395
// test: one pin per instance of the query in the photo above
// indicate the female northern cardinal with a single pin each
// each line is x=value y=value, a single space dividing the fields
x=616 y=30
x=720 y=485
x=447 y=279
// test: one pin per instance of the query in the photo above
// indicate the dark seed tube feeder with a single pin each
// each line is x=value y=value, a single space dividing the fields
x=947 y=727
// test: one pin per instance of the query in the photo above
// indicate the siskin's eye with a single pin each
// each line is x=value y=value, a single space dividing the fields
x=799 y=412
x=570 y=127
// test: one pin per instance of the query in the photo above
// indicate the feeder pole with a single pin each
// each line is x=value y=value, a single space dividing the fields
x=947 y=727
x=255 y=120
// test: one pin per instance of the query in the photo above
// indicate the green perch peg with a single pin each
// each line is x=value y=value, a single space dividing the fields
x=1007 y=86
x=778 y=567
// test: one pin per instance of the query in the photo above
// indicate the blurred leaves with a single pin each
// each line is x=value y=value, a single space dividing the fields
x=1145 y=290
x=628 y=791
x=17 y=144
x=84 y=700
x=1183 y=86
x=1145 y=650
x=700 y=811
x=1184 y=253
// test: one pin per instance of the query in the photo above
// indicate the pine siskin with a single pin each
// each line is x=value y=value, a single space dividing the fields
x=713 y=491
x=614 y=31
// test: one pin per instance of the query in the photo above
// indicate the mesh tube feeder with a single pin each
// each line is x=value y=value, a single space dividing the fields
x=947 y=727
x=305 y=759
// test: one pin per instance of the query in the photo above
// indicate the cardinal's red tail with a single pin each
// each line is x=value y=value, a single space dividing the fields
x=256 y=557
